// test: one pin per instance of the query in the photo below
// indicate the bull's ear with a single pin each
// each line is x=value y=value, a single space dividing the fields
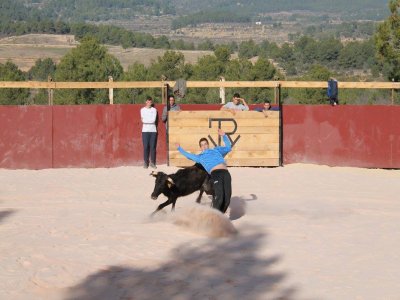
x=170 y=182
x=154 y=173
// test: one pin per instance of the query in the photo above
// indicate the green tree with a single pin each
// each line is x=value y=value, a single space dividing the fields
x=87 y=62
x=136 y=72
x=328 y=50
x=206 y=45
x=306 y=50
x=248 y=49
x=41 y=71
x=10 y=72
x=312 y=96
x=262 y=70
x=387 y=41
x=170 y=65
x=239 y=69
x=223 y=53
x=208 y=67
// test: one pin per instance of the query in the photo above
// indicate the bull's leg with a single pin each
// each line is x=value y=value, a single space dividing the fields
x=162 y=205
x=173 y=204
x=198 y=200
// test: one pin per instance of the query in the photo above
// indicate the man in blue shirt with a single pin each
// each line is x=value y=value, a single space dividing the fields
x=214 y=163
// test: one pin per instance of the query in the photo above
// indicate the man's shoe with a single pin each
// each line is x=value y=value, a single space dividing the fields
x=153 y=166
x=145 y=166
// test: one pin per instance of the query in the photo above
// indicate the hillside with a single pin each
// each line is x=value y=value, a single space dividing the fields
x=25 y=50
x=220 y=21
x=125 y=9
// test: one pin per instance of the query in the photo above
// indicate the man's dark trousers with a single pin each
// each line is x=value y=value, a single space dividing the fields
x=223 y=189
x=149 y=147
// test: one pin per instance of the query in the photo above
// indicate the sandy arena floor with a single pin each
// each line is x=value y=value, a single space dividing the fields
x=304 y=232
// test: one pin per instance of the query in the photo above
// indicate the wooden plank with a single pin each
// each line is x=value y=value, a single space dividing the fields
x=248 y=139
x=27 y=84
x=228 y=128
x=251 y=162
x=227 y=84
x=107 y=85
x=200 y=122
x=197 y=84
x=193 y=148
x=236 y=154
x=205 y=114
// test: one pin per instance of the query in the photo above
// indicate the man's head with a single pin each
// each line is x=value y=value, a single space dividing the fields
x=149 y=101
x=171 y=100
x=236 y=98
x=267 y=105
x=203 y=143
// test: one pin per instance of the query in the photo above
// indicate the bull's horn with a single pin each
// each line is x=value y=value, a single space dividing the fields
x=170 y=180
x=153 y=173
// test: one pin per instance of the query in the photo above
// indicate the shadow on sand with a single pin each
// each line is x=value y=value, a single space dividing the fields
x=5 y=214
x=216 y=269
x=238 y=206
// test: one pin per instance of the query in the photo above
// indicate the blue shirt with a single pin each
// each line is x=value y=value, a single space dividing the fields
x=210 y=158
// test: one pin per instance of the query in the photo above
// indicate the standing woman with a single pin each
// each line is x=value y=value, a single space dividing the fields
x=213 y=161
x=148 y=115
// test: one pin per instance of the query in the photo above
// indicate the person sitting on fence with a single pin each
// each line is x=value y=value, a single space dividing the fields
x=332 y=91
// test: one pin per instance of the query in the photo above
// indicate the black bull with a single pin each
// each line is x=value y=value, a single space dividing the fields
x=182 y=183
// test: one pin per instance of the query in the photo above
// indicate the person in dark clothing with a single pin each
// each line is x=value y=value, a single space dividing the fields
x=267 y=107
x=214 y=163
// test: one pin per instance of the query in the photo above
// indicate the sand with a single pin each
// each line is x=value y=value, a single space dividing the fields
x=295 y=232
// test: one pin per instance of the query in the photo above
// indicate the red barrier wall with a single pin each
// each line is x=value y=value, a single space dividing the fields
x=25 y=137
x=100 y=136
x=37 y=137
x=358 y=136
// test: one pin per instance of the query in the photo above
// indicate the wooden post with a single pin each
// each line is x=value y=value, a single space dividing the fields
x=111 y=91
x=222 y=91
x=277 y=92
x=50 y=91
x=392 y=93
x=164 y=93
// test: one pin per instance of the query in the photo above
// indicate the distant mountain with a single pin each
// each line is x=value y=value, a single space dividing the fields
x=265 y=6
x=96 y=10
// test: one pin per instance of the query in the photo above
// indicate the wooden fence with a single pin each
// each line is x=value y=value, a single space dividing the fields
x=255 y=137
x=276 y=85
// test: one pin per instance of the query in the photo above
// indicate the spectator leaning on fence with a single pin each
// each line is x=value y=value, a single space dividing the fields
x=172 y=107
x=267 y=107
x=237 y=104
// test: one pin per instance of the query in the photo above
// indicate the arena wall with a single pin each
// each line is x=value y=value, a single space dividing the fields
x=38 y=137
x=345 y=135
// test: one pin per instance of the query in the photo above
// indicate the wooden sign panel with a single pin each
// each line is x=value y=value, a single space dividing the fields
x=254 y=136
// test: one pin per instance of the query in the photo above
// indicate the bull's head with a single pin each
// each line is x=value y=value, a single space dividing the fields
x=163 y=184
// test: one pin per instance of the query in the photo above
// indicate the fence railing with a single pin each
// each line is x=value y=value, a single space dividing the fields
x=277 y=85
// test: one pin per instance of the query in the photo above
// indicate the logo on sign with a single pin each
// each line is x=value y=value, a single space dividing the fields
x=220 y=121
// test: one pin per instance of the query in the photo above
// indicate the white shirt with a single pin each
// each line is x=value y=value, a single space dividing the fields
x=148 y=116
